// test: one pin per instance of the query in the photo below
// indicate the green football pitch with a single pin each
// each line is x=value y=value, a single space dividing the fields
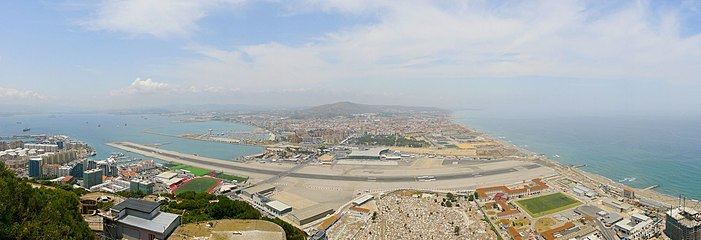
x=197 y=185
x=196 y=171
x=544 y=205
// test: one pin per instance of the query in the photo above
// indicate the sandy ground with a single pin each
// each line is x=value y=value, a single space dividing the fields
x=223 y=229
x=427 y=163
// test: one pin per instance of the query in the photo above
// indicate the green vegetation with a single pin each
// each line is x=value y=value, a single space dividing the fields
x=105 y=205
x=390 y=140
x=231 y=177
x=197 y=207
x=291 y=232
x=196 y=171
x=130 y=194
x=544 y=205
x=38 y=213
x=198 y=185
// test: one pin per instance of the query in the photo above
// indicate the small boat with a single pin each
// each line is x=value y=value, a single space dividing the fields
x=557 y=156
x=93 y=153
x=26 y=130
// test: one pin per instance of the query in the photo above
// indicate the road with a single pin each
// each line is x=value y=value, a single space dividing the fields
x=591 y=211
x=159 y=153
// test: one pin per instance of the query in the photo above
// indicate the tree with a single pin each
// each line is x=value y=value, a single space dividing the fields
x=38 y=213
x=374 y=216
x=448 y=204
x=198 y=207
x=450 y=196
x=456 y=230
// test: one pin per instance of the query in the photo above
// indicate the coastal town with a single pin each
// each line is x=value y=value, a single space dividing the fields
x=349 y=171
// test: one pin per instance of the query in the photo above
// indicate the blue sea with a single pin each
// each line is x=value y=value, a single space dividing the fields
x=98 y=129
x=636 y=151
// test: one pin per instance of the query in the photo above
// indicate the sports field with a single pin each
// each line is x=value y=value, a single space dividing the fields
x=203 y=184
x=544 y=205
x=231 y=177
x=197 y=171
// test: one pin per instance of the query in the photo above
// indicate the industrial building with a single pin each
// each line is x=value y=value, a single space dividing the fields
x=310 y=214
x=278 y=207
x=165 y=176
x=92 y=177
x=683 y=223
x=258 y=189
x=358 y=212
x=139 y=219
x=361 y=200
x=581 y=190
x=617 y=205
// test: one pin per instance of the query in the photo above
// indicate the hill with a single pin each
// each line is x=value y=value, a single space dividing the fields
x=38 y=213
x=349 y=108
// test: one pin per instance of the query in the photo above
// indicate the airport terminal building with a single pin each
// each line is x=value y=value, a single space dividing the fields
x=368 y=154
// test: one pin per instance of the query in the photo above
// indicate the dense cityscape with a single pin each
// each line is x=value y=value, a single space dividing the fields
x=350 y=120
x=344 y=174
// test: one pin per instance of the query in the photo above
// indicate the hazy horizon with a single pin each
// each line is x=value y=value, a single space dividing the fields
x=522 y=57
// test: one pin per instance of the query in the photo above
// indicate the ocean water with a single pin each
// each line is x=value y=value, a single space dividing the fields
x=98 y=129
x=636 y=151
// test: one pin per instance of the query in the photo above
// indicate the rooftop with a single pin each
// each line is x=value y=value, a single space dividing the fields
x=277 y=205
x=367 y=152
x=259 y=188
x=156 y=224
x=137 y=204
x=310 y=211
x=686 y=216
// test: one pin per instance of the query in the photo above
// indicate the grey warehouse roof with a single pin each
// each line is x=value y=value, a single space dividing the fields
x=138 y=205
x=158 y=224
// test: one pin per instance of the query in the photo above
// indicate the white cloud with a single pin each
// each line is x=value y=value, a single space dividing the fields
x=139 y=86
x=12 y=93
x=455 y=40
x=160 y=18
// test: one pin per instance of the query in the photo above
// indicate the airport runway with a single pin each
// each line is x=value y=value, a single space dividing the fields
x=159 y=153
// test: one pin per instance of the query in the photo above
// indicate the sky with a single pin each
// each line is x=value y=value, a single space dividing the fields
x=525 y=57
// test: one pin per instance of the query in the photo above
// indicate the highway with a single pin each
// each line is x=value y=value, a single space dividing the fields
x=158 y=153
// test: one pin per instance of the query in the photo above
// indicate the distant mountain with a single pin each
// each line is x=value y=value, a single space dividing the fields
x=349 y=108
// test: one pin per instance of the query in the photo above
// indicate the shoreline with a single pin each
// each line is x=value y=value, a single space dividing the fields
x=648 y=194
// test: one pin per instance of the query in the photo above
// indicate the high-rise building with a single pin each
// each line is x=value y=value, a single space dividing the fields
x=64 y=170
x=77 y=171
x=92 y=177
x=629 y=193
x=683 y=224
x=35 y=167
x=141 y=185
x=108 y=169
